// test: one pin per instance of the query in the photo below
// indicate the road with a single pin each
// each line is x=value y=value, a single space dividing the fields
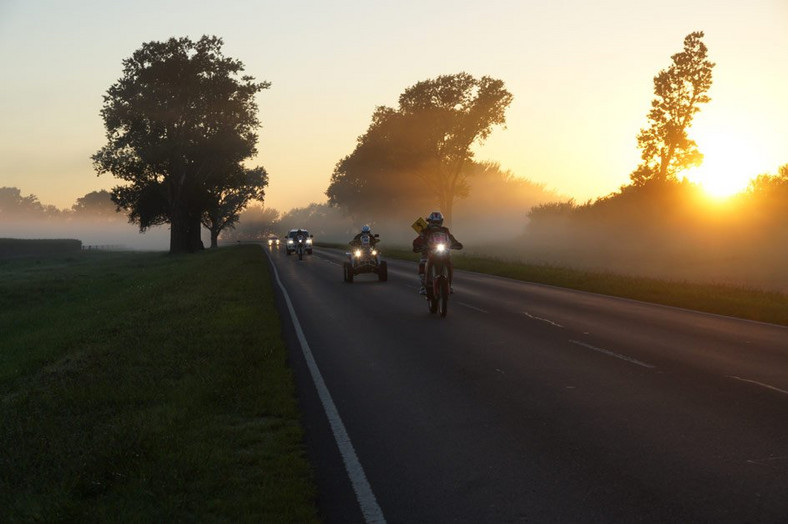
x=531 y=403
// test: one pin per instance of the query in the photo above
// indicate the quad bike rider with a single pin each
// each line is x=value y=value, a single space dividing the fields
x=364 y=257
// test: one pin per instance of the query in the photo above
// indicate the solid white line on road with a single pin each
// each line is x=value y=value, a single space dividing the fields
x=612 y=354
x=767 y=386
x=527 y=314
x=364 y=495
x=472 y=307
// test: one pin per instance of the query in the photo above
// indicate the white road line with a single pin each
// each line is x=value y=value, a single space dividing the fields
x=364 y=495
x=767 y=386
x=767 y=460
x=612 y=354
x=472 y=307
x=527 y=314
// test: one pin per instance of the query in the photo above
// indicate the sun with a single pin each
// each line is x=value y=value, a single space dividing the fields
x=730 y=161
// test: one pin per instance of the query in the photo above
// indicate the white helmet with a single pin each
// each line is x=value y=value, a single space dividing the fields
x=435 y=218
x=365 y=228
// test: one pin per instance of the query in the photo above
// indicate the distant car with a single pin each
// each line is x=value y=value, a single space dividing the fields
x=273 y=241
x=291 y=240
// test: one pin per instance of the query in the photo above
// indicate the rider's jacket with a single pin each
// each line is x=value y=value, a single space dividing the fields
x=421 y=242
x=357 y=240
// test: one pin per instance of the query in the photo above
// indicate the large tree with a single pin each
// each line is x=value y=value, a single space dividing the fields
x=424 y=145
x=228 y=202
x=381 y=175
x=178 y=123
x=680 y=90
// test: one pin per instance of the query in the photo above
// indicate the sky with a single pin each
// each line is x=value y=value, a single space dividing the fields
x=581 y=74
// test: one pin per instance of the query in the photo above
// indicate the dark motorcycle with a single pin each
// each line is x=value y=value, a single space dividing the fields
x=436 y=273
x=302 y=245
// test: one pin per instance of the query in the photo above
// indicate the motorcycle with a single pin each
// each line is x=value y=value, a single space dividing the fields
x=301 y=246
x=364 y=259
x=436 y=273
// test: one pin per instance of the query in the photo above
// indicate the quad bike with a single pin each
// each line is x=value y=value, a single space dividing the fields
x=364 y=258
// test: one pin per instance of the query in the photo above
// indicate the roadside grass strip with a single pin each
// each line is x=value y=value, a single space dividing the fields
x=145 y=387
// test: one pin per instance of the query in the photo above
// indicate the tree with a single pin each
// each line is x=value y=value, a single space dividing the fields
x=14 y=206
x=228 y=202
x=254 y=223
x=680 y=89
x=96 y=204
x=178 y=123
x=380 y=177
x=424 y=145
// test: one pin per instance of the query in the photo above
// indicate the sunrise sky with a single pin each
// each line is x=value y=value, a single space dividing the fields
x=581 y=75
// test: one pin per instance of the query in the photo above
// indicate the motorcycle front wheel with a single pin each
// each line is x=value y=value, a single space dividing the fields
x=432 y=300
x=443 y=297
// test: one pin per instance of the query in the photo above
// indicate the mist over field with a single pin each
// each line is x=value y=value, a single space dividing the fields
x=96 y=233
x=670 y=232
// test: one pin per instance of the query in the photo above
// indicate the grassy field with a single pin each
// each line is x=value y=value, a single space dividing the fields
x=752 y=304
x=143 y=387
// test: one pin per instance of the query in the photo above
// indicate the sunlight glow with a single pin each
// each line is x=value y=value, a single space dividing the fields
x=730 y=161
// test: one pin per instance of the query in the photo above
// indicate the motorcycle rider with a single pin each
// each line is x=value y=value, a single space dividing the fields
x=365 y=230
x=421 y=245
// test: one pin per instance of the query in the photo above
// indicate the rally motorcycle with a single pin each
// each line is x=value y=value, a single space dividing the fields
x=436 y=273
x=364 y=259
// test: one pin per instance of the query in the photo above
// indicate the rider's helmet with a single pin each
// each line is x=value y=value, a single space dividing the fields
x=435 y=218
x=365 y=228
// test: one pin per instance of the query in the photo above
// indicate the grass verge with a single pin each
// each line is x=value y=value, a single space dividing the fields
x=146 y=387
x=741 y=302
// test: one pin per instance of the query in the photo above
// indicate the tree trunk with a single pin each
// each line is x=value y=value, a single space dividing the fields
x=214 y=238
x=179 y=231
x=195 y=234
x=185 y=231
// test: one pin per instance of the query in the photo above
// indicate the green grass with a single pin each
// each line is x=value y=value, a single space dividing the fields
x=146 y=387
x=742 y=302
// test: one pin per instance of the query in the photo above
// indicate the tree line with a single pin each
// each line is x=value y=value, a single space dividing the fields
x=16 y=207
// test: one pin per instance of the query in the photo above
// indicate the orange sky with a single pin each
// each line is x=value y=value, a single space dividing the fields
x=581 y=74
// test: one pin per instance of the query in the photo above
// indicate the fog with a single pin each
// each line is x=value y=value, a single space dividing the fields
x=94 y=234
x=672 y=234
x=679 y=235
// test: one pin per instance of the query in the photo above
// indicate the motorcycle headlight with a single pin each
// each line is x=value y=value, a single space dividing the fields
x=357 y=253
x=374 y=252
x=440 y=248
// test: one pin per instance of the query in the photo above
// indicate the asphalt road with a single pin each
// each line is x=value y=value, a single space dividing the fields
x=530 y=403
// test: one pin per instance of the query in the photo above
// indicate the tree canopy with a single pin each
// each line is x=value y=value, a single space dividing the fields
x=179 y=123
x=417 y=152
x=680 y=90
x=96 y=204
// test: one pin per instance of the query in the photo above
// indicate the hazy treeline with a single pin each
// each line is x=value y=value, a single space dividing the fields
x=495 y=208
x=670 y=229
x=93 y=219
